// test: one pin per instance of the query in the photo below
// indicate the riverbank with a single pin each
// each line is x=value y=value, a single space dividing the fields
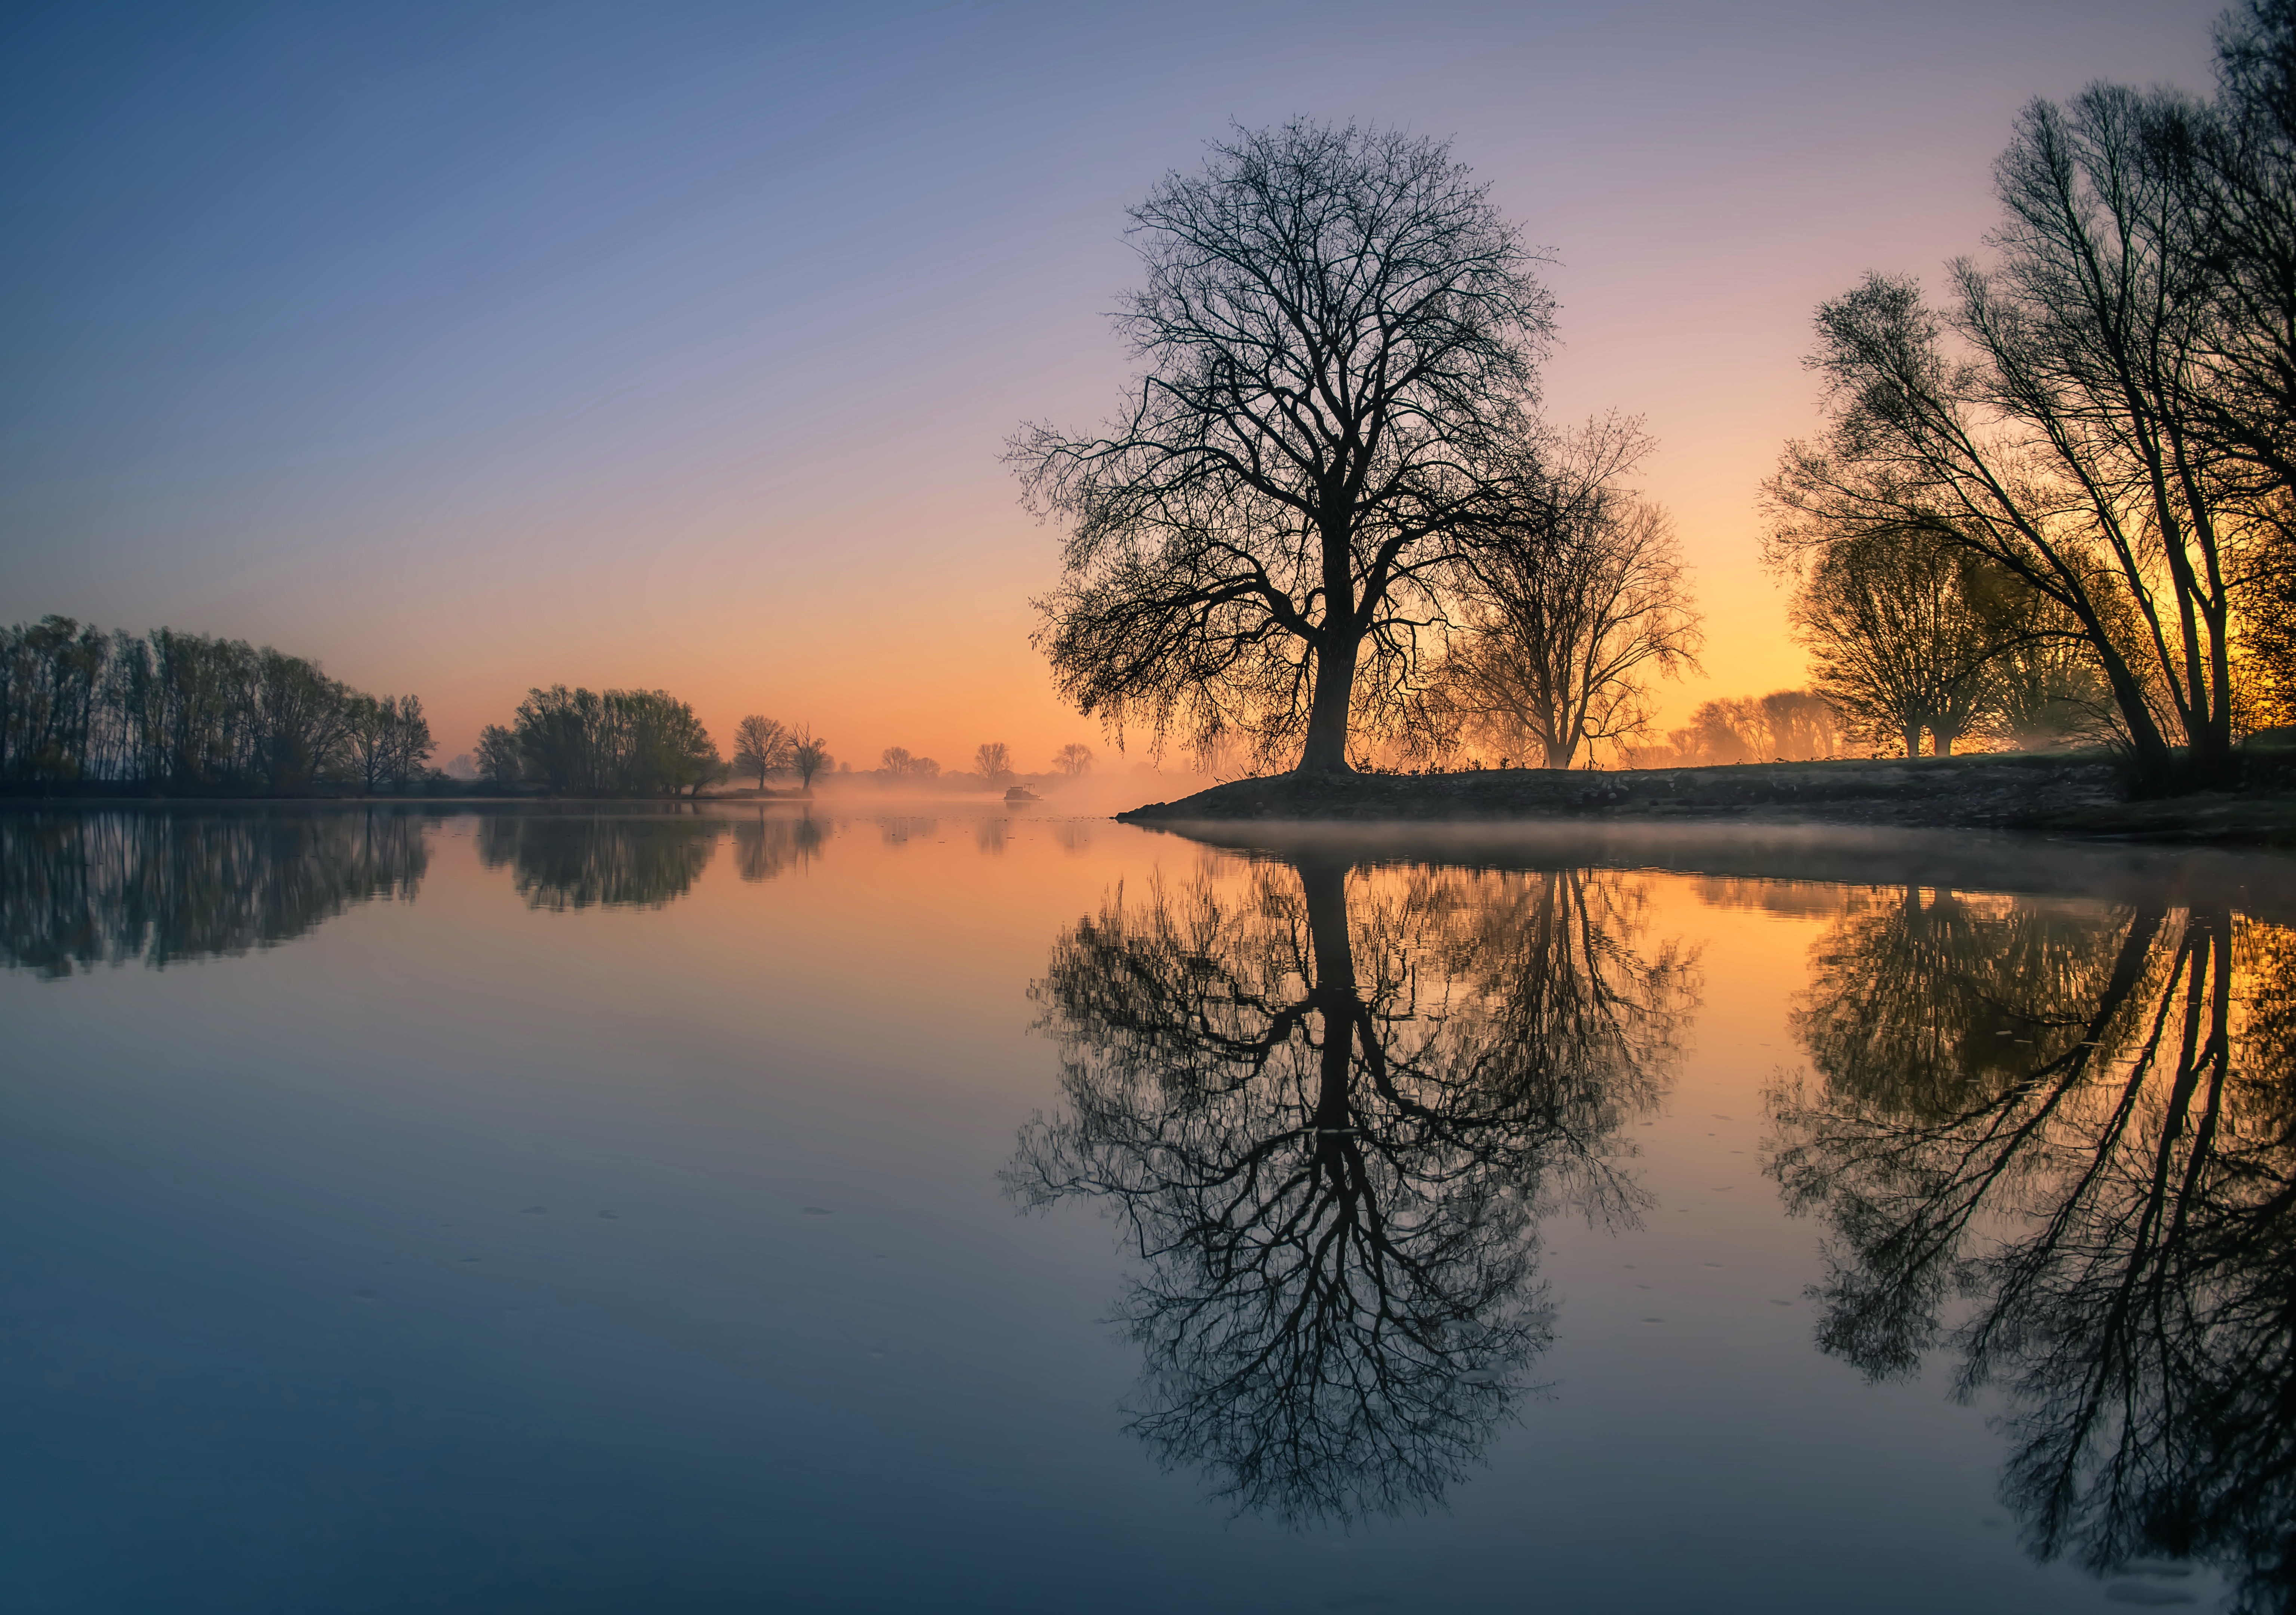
x=2077 y=795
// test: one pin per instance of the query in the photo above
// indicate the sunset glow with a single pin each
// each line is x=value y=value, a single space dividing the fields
x=676 y=349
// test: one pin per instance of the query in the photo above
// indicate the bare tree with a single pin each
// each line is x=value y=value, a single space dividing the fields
x=761 y=746
x=993 y=761
x=1900 y=646
x=808 y=755
x=387 y=739
x=898 y=763
x=1783 y=727
x=2233 y=165
x=1073 y=760
x=1579 y=599
x=1337 y=340
x=2057 y=442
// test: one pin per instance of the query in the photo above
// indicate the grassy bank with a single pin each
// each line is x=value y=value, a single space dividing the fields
x=2054 y=793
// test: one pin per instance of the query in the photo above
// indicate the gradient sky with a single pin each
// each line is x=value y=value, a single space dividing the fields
x=473 y=348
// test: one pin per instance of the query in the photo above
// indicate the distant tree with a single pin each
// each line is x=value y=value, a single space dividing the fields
x=411 y=744
x=672 y=751
x=1578 y=600
x=301 y=720
x=901 y=765
x=1786 y=726
x=388 y=741
x=993 y=761
x=808 y=755
x=622 y=742
x=52 y=688
x=1337 y=340
x=1073 y=760
x=1900 y=642
x=761 y=746
x=499 y=761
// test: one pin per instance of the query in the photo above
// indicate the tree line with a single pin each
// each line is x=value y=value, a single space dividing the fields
x=634 y=743
x=186 y=713
x=2064 y=486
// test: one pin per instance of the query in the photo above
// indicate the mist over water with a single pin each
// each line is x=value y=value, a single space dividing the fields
x=921 y=1204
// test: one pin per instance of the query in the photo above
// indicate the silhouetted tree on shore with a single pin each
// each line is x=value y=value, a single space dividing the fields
x=808 y=755
x=761 y=746
x=622 y=742
x=1073 y=760
x=1337 y=339
x=1579 y=597
x=993 y=761
x=2106 y=412
x=388 y=741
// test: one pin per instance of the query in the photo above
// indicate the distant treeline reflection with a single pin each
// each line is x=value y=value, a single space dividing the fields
x=1328 y=1108
x=568 y=861
x=79 y=889
x=2059 y=1142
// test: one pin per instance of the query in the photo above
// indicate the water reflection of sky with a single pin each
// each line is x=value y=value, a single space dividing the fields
x=611 y=1210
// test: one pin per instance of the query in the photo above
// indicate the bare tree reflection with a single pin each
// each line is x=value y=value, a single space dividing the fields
x=566 y=861
x=2100 y=1220
x=83 y=889
x=1327 y=1110
x=767 y=846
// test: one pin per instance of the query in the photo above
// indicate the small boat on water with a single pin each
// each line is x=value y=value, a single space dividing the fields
x=1020 y=793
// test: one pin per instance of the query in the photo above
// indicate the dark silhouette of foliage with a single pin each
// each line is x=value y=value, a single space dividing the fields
x=1577 y=599
x=2106 y=411
x=622 y=742
x=183 y=714
x=761 y=746
x=1336 y=339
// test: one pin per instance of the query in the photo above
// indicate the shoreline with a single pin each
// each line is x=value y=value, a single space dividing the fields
x=2036 y=793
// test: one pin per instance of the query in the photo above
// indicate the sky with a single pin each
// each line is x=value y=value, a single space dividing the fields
x=473 y=348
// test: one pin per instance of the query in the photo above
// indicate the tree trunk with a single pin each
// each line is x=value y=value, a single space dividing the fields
x=1327 y=749
x=1558 y=753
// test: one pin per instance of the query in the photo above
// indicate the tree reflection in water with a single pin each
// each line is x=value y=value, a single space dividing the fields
x=1328 y=1108
x=561 y=861
x=2062 y=1144
x=767 y=846
x=79 y=888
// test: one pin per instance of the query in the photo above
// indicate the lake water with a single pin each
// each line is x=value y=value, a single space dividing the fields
x=945 y=1210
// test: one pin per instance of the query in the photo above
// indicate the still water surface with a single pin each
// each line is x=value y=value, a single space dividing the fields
x=945 y=1210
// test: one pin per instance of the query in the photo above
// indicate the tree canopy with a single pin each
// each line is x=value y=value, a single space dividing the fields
x=1337 y=342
